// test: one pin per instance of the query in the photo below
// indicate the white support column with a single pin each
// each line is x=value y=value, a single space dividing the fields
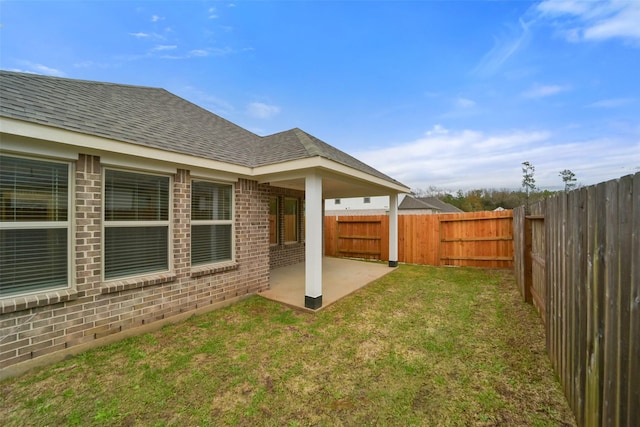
x=313 y=241
x=393 y=230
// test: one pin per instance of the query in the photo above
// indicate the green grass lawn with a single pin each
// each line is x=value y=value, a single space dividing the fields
x=421 y=346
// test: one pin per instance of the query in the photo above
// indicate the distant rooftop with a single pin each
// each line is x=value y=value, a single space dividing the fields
x=410 y=202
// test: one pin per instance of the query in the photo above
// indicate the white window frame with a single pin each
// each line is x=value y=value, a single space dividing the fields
x=133 y=224
x=230 y=221
x=48 y=225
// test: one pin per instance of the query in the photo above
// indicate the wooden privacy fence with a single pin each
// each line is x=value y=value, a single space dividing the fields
x=577 y=258
x=481 y=239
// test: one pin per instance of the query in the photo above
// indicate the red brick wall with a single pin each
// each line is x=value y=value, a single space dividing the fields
x=33 y=326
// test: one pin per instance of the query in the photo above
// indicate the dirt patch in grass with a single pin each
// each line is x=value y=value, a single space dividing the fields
x=421 y=346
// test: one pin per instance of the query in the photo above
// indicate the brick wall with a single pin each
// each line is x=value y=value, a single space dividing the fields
x=34 y=326
x=284 y=254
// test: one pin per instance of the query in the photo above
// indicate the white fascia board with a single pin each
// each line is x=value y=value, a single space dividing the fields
x=21 y=145
x=115 y=152
x=295 y=169
x=106 y=147
x=213 y=175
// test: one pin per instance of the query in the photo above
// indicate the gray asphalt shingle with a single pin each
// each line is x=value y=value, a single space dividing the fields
x=154 y=117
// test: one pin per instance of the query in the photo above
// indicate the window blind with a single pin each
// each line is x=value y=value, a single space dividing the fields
x=211 y=222
x=210 y=243
x=136 y=233
x=32 y=260
x=33 y=190
x=34 y=206
x=135 y=250
x=210 y=201
x=136 y=197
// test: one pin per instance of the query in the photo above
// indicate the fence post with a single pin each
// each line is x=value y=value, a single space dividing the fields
x=528 y=260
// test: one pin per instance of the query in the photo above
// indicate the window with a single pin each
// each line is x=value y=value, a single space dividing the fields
x=290 y=220
x=211 y=222
x=367 y=199
x=273 y=220
x=337 y=201
x=34 y=225
x=136 y=223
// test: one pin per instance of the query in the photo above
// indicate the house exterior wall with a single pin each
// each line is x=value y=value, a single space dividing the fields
x=355 y=206
x=378 y=203
x=92 y=309
x=283 y=254
x=356 y=212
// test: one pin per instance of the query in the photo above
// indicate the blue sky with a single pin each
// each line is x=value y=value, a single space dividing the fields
x=450 y=94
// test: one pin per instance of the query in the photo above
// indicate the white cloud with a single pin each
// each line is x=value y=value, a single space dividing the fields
x=198 y=52
x=542 y=91
x=156 y=18
x=140 y=35
x=465 y=103
x=143 y=35
x=261 y=110
x=194 y=53
x=212 y=13
x=470 y=159
x=206 y=100
x=33 y=68
x=160 y=48
x=611 y=103
x=599 y=20
x=573 y=7
x=437 y=130
x=504 y=47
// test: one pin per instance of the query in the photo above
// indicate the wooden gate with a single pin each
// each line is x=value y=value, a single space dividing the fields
x=359 y=237
x=479 y=239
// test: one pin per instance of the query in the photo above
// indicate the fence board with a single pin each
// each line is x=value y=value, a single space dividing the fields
x=359 y=237
x=578 y=272
x=595 y=369
x=611 y=336
x=624 y=211
x=592 y=262
x=536 y=262
x=633 y=402
x=520 y=235
x=478 y=238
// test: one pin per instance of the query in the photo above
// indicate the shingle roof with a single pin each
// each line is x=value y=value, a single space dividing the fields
x=140 y=115
x=434 y=203
x=296 y=144
x=155 y=118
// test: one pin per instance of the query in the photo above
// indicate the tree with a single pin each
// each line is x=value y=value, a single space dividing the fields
x=569 y=179
x=528 y=182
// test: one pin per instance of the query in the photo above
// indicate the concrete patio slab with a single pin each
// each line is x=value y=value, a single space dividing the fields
x=340 y=277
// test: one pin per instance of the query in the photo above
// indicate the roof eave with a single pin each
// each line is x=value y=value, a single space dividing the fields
x=91 y=144
x=298 y=169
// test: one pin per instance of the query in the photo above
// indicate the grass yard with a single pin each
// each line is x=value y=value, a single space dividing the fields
x=422 y=346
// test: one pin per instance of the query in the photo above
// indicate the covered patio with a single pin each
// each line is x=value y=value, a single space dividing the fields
x=340 y=277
